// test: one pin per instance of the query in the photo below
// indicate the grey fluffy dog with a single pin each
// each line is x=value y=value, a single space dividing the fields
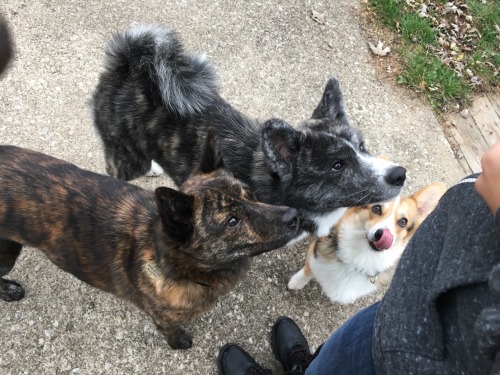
x=154 y=101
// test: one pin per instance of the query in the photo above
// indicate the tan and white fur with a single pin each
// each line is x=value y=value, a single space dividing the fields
x=362 y=249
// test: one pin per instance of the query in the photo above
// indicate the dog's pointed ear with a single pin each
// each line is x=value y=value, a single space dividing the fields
x=5 y=45
x=428 y=197
x=211 y=158
x=281 y=144
x=176 y=213
x=331 y=104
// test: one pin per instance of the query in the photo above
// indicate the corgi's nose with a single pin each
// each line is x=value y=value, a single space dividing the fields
x=290 y=218
x=396 y=176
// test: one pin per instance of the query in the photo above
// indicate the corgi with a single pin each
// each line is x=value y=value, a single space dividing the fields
x=362 y=249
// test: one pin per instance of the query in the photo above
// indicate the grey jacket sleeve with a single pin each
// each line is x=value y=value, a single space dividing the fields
x=487 y=326
x=441 y=292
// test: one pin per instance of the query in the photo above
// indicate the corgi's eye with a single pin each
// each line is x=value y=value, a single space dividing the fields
x=338 y=165
x=233 y=222
x=403 y=222
x=377 y=209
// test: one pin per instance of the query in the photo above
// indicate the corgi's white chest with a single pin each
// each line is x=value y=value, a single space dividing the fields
x=340 y=282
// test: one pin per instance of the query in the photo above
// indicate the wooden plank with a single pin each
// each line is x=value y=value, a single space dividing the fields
x=472 y=136
x=471 y=159
x=495 y=102
x=486 y=119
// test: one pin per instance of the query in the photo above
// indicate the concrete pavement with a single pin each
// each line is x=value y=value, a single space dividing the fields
x=273 y=60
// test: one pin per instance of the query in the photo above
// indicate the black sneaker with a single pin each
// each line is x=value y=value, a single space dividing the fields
x=289 y=345
x=234 y=360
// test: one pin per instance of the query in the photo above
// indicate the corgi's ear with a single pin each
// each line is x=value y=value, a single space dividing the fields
x=331 y=104
x=211 y=158
x=280 y=143
x=176 y=213
x=428 y=197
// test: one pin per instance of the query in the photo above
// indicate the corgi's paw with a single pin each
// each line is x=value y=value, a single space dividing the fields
x=156 y=170
x=299 y=280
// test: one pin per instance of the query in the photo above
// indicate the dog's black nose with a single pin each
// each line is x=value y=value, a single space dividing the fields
x=290 y=218
x=396 y=176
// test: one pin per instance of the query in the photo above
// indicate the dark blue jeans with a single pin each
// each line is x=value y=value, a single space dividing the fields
x=348 y=350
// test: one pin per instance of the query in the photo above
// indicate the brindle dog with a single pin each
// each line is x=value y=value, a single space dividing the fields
x=172 y=253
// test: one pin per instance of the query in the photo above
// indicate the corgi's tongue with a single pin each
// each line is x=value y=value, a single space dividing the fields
x=385 y=241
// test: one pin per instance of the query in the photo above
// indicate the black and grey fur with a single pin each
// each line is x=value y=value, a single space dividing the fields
x=5 y=45
x=154 y=102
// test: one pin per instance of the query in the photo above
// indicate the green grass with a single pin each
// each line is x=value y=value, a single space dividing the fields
x=487 y=16
x=425 y=72
x=417 y=29
x=388 y=10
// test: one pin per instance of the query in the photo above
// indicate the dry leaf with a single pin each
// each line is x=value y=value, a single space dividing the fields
x=379 y=50
x=318 y=17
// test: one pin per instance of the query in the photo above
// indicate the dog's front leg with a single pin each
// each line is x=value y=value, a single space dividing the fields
x=169 y=321
x=9 y=289
x=176 y=337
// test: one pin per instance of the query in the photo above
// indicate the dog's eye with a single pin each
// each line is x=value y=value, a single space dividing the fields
x=403 y=222
x=338 y=165
x=233 y=222
x=377 y=209
x=362 y=147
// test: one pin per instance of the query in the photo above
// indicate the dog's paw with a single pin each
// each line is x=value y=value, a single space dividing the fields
x=298 y=281
x=11 y=291
x=156 y=170
x=180 y=341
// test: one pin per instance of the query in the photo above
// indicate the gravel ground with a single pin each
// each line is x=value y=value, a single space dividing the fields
x=273 y=59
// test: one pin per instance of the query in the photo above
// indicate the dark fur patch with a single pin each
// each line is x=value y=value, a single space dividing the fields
x=5 y=45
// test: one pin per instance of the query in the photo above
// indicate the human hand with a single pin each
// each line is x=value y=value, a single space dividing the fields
x=488 y=183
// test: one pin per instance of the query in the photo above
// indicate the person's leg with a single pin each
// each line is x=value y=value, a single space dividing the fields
x=349 y=349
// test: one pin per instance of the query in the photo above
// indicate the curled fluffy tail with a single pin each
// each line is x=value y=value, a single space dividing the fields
x=187 y=82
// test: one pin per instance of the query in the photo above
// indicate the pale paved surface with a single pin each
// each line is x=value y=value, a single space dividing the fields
x=273 y=60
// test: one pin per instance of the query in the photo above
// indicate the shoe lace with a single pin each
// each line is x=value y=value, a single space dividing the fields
x=257 y=370
x=301 y=358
